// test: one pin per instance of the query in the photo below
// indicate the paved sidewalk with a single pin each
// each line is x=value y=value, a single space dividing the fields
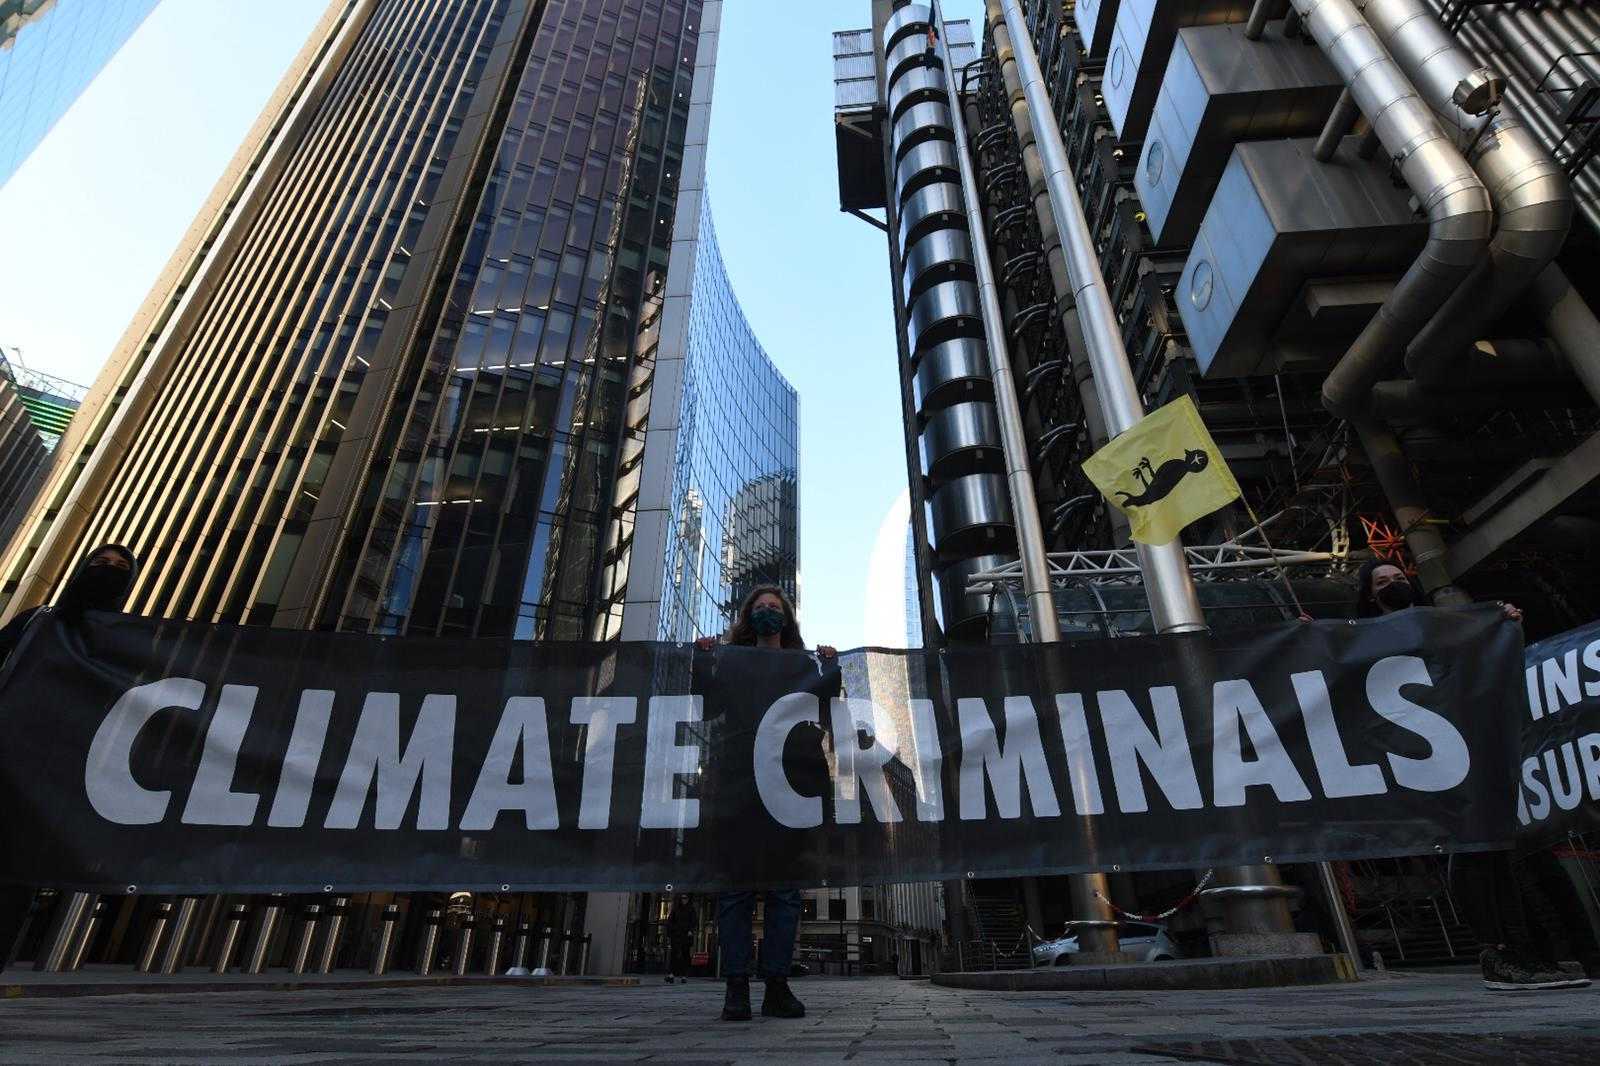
x=1418 y=1021
x=123 y=981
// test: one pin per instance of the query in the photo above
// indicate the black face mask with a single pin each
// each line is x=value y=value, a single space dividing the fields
x=767 y=621
x=1395 y=597
x=102 y=587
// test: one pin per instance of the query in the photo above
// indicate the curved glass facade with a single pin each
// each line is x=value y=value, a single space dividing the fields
x=735 y=498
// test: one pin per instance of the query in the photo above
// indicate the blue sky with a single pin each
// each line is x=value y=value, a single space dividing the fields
x=87 y=223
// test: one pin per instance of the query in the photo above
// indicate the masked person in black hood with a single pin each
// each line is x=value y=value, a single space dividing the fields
x=100 y=583
x=766 y=619
x=1481 y=881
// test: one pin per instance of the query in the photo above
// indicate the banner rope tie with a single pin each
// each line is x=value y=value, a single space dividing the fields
x=1194 y=894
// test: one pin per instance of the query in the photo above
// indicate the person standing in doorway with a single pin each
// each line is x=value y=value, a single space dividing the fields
x=1481 y=881
x=766 y=619
x=681 y=926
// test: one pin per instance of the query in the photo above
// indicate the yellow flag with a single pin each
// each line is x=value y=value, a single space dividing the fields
x=1163 y=473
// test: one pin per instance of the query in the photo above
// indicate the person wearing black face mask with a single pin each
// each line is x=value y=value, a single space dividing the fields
x=100 y=583
x=766 y=619
x=1481 y=881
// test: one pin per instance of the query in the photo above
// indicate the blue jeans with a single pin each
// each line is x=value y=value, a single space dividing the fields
x=735 y=914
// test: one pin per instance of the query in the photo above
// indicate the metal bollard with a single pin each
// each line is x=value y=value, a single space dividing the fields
x=302 y=947
x=237 y=915
x=380 y=955
x=265 y=930
x=497 y=941
x=330 y=939
x=458 y=965
x=80 y=950
x=430 y=943
x=566 y=951
x=152 y=939
x=544 y=950
x=583 y=956
x=519 y=951
x=60 y=935
x=178 y=935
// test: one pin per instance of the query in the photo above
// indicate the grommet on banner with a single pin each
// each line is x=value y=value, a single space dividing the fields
x=1115 y=868
x=970 y=875
x=327 y=888
x=669 y=888
x=505 y=888
x=1267 y=859
x=132 y=889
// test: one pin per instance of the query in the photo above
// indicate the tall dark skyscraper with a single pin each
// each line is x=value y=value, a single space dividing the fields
x=450 y=350
x=448 y=344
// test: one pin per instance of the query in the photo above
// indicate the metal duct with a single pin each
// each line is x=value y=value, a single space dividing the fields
x=932 y=207
x=947 y=310
x=953 y=372
x=1096 y=19
x=920 y=123
x=911 y=20
x=964 y=610
x=972 y=515
x=963 y=439
x=1532 y=199
x=943 y=255
x=1452 y=196
x=917 y=85
x=910 y=53
x=925 y=164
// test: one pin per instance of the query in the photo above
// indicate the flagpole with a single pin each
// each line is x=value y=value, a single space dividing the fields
x=1168 y=585
x=1252 y=895
x=1097 y=924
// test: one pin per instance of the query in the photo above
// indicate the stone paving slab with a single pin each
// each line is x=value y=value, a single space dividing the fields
x=122 y=981
x=1416 y=1021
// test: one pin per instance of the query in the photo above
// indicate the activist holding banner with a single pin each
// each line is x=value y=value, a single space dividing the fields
x=1483 y=882
x=100 y=583
x=766 y=620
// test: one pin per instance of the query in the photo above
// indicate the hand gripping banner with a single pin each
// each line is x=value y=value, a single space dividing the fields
x=145 y=755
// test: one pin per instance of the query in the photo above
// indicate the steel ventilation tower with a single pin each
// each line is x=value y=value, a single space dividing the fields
x=1359 y=233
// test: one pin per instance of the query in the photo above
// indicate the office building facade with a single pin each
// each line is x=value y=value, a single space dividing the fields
x=1249 y=223
x=449 y=351
x=50 y=50
x=35 y=410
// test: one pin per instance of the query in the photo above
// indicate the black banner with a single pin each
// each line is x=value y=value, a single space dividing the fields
x=145 y=755
x=1559 y=789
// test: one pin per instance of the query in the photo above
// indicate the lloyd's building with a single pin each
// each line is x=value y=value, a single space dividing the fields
x=1360 y=234
x=449 y=351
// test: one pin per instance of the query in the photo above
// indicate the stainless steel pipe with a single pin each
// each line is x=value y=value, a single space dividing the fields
x=80 y=948
x=386 y=927
x=61 y=935
x=300 y=957
x=238 y=915
x=1460 y=217
x=497 y=940
x=333 y=934
x=463 y=948
x=1532 y=200
x=266 y=929
x=430 y=943
x=1344 y=115
x=177 y=946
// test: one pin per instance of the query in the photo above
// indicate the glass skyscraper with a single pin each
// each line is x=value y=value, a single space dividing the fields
x=50 y=50
x=450 y=350
x=420 y=367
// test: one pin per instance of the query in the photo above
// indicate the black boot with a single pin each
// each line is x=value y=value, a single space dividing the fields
x=736 y=1004
x=779 y=1002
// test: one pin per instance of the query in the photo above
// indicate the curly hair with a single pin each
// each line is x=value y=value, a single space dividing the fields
x=1366 y=602
x=742 y=632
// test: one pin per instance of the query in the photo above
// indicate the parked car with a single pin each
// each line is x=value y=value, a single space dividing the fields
x=1150 y=942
